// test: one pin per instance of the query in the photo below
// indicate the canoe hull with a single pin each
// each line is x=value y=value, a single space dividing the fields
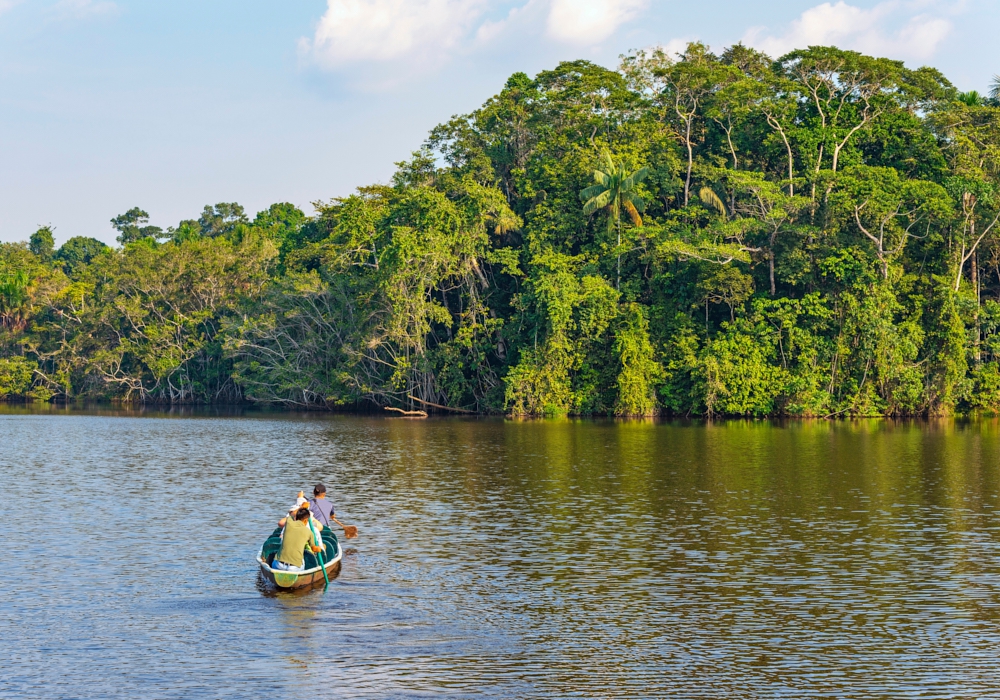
x=298 y=579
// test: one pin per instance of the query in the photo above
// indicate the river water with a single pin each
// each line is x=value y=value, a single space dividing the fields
x=501 y=558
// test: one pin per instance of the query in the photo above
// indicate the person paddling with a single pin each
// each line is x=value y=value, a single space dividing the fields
x=322 y=509
x=296 y=539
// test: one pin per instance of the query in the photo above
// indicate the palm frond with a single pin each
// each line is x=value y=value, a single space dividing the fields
x=609 y=162
x=709 y=198
x=634 y=179
x=599 y=202
x=505 y=221
x=971 y=98
x=995 y=88
x=638 y=202
x=633 y=214
x=615 y=190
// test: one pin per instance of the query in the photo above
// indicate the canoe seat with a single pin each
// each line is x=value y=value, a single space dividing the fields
x=272 y=545
x=330 y=540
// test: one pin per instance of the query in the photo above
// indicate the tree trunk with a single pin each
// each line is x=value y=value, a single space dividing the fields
x=687 y=181
x=776 y=125
x=618 y=282
x=977 y=353
x=791 y=172
x=962 y=257
x=770 y=270
x=770 y=262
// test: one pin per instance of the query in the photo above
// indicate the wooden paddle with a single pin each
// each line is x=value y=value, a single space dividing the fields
x=350 y=531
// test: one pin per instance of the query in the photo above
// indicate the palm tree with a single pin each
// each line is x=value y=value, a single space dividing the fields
x=995 y=89
x=13 y=297
x=971 y=98
x=614 y=191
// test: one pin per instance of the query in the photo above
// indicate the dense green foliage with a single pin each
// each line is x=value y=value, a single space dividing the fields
x=697 y=235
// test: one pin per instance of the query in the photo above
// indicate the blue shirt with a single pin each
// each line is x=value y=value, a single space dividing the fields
x=322 y=510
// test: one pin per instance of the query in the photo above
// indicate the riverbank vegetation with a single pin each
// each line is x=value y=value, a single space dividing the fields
x=697 y=234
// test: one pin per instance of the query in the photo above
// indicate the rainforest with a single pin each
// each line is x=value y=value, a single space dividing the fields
x=691 y=235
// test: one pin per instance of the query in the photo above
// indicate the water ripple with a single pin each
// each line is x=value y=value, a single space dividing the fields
x=501 y=559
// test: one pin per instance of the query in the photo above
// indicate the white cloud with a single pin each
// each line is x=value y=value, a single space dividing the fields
x=590 y=21
x=7 y=5
x=894 y=28
x=490 y=30
x=383 y=40
x=384 y=30
x=78 y=9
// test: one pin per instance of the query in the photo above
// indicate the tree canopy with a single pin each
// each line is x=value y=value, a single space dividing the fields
x=693 y=234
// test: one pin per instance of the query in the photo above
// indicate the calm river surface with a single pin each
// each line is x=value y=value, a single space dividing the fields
x=501 y=558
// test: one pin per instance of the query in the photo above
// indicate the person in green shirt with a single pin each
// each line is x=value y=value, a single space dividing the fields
x=296 y=539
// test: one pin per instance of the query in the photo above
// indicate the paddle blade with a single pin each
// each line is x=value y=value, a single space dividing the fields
x=350 y=531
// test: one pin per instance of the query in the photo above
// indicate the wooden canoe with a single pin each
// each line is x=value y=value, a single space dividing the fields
x=313 y=572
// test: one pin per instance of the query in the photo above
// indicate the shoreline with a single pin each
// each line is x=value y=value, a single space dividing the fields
x=256 y=409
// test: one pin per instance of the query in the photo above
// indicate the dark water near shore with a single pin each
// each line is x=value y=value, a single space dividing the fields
x=496 y=558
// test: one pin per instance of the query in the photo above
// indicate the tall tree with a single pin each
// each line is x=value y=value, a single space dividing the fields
x=79 y=251
x=844 y=92
x=42 y=243
x=682 y=89
x=222 y=219
x=134 y=226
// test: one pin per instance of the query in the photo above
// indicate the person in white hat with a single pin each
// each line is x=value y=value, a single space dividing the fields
x=314 y=525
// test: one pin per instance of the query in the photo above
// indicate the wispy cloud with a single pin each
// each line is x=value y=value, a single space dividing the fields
x=898 y=29
x=80 y=9
x=6 y=5
x=426 y=32
x=519 y=18
x=384 y=30
x=590 y=21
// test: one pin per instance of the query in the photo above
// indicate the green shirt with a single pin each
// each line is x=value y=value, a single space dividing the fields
x=297 y=537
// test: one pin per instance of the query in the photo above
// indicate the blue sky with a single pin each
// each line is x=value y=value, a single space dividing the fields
x=173 y=104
